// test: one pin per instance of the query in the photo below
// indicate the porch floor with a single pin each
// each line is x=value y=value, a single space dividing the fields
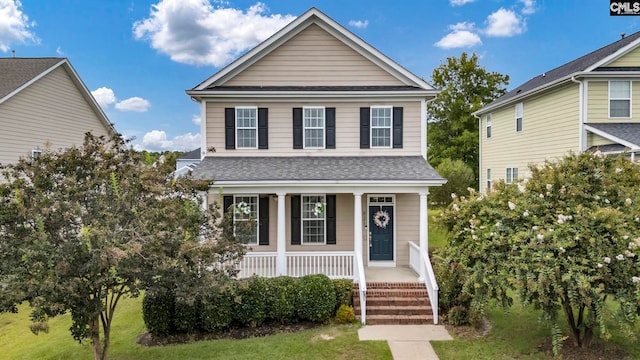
x=390 y=274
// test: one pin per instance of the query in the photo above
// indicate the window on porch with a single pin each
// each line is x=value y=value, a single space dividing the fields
x=246 y=209
x=313 y=219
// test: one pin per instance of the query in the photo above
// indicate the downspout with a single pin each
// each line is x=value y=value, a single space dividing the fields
x=479 y=151
x=581 y=136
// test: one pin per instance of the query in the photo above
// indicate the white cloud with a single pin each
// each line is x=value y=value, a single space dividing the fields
x=359 y=23
x=15 y=27
x=104 y=96
x=460 y=2
x=196 y=119
x=462 y=35
x=195 y=32
x=504 y=23
x=135 y=103
x=59 y=51
x=529 y=6
x=156 y=140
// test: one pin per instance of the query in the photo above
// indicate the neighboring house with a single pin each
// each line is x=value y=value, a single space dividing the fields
x=186 y=163
x=321 y=139
x=591 y=103
x=44 y=106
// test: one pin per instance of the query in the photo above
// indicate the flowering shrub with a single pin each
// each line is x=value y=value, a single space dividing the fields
x=565 y=240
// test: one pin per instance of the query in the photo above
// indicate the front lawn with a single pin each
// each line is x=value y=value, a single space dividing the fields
x=437 y=236
x=330 y=342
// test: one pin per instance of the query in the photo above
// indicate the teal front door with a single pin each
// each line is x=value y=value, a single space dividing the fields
x=380 y=232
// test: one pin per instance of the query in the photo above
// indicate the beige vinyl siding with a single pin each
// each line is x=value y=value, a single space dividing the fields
x=551 y=128
x=630 y=59
x=596 y=140
x=347 y=130
x=49 y=114
x=598 y=102
x=313 y=58
x=407 y=212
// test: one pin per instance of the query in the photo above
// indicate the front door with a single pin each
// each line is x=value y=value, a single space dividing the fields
x=380 y=232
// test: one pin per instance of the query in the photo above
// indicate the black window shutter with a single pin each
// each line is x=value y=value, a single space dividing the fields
x=330 y=128
x=297 y=128
x=227 y=202
x=364 y=127
x=229 y=128
x=331 y=219
x=263 y=128
x=263 y=221
x=397 y=127
x=296 y=225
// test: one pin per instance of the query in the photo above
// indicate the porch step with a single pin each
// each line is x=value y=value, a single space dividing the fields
x=395 y=303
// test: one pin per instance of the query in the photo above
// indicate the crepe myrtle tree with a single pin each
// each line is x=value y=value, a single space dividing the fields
x=81 y=229
x=567 y=241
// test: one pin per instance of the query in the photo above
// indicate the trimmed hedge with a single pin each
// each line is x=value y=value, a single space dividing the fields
x=247 y=302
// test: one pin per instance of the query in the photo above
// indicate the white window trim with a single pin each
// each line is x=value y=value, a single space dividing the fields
x=324 y=128
x=246 y=128
x=390 y=127
x=35 y=154
x=302 y=219
x=489 y=123
x=629 y=99
x=488 y=177
x=256 y=218
x=521 y=106
x=512 y=180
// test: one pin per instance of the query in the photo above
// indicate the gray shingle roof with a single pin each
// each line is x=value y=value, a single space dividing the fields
x=607 y=148
x=15 y=72
x=629 y=132
x=307 y=168
x=191 y=155
x=572 y=67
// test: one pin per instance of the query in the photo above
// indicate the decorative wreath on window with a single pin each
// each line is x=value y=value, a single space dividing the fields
x=381 y=219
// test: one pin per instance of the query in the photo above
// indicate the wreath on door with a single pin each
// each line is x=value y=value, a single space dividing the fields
x=381 y=219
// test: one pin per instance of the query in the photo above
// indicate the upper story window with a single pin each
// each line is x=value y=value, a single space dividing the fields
x=519 y=114
x=246 y=209
x=511 y=175
x=314 y=127
x=246 y=127
x=619 y=99
x=381 y=122
x=313 y=219
x=488 y=121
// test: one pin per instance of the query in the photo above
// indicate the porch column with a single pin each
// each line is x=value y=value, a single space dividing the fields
x=281 y=243
x=424 y=232
x=357 y=224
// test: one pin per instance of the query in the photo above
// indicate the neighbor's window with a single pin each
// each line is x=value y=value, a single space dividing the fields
x=246 y=128
x=519 y=117
x=488 y=125
x=313 y=120
x=619 y=99
x=246 y=209
x=35 y=154
x=313 y=219
x=489 y=179
x=381 y=121
x=512 y=175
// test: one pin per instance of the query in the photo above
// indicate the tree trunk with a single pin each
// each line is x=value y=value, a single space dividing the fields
x=588 y=337
x=568 y=311
x=98 y=354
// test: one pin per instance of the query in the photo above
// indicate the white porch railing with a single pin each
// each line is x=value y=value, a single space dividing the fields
x=334 y=264
x=416 y=261
x=362 y=288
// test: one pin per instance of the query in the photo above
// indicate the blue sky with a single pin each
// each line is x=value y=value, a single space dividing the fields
x=138 y=57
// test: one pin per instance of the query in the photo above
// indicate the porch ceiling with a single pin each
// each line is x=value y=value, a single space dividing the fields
x=316 y=169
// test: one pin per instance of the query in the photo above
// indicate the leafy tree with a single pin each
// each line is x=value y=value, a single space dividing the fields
x=460 y=177
x=83 y=228
x=566 y=241
x=466 y=87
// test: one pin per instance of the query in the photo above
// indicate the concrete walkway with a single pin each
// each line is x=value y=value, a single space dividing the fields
x=407 y=342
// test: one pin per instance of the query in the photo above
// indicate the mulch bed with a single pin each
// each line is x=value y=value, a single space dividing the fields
x=147 y=339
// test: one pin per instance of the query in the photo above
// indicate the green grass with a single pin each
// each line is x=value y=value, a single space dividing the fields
x=17 y=342
x=437 y=236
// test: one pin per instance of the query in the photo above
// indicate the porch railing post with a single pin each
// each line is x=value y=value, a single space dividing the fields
x=357 y=224
x=424 y=231
x=281 y=244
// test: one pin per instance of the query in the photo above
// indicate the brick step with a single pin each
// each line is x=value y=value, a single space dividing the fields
x=398 y=310
x=399 y=319
x=391 y=301
x=392 y=285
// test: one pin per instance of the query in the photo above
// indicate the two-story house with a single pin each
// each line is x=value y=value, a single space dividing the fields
x=44 y=105
x=589 y=104
x=321 y=140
